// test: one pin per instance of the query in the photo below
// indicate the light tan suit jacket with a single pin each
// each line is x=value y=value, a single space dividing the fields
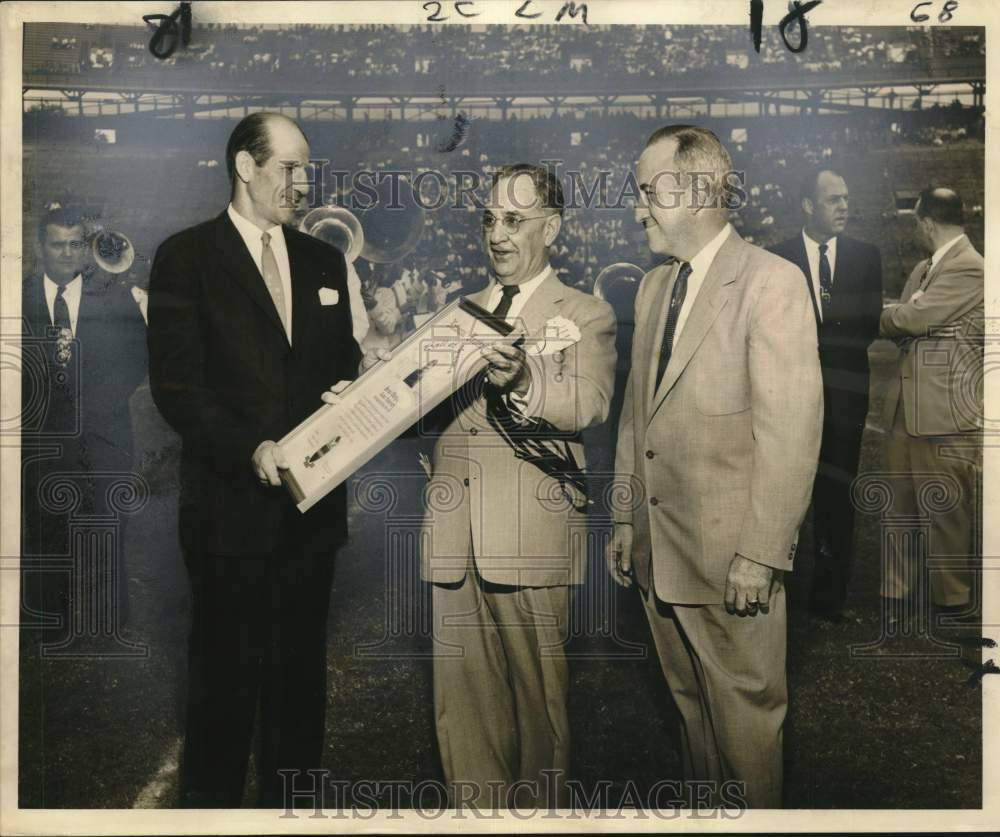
x=721 y=457
x=522 y=525
x=939 y=372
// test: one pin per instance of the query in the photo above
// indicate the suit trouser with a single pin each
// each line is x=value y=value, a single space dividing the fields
x=915 y=462
x=258 y=630
x=727 y=676
x=833 y=511
x=501 y=682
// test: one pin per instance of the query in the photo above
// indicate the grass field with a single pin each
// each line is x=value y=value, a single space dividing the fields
x=898 y=730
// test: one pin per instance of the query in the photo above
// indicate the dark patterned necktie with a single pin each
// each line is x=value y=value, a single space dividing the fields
x=676 y=301
x=503 y=307
x=825 y=276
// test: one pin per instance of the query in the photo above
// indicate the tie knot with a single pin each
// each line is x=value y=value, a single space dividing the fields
x=685 y=271
x=823 y=248
x=265 y=238
x=510 y=291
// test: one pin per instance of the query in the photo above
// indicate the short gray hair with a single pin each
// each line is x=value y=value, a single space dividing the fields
x=699 y=151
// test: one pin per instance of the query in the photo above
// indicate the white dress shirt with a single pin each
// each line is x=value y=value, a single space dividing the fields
x=516 y=402
x=812 y=254
x=525 y=290
x=72 y=296
x=699 y=270
x=251 y=235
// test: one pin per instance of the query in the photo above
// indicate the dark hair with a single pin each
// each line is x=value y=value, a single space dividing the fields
x=807 y=185
x=59 y=216
x=250 y=135
x=546 y=182
x=699 y=150
x=941 y=205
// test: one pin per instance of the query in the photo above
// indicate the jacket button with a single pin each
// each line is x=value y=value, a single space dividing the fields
x=653 y=501
x=465 y=481
x=650 y=454
x=473 y=430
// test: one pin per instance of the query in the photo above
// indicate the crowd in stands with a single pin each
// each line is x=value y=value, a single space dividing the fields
x=240 y=55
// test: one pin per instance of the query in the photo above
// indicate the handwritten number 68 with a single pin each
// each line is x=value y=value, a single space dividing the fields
x=945 y=15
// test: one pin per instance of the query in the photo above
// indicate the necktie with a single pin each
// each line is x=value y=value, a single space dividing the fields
x=272 y=278
x=922 y=285
x=60 y=319
x=825 y=277
x=503 y=307
x=673 y=312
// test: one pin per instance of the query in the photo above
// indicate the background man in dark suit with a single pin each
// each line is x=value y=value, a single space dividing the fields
x=249 y=323
x=845 y=282
x=84 y=354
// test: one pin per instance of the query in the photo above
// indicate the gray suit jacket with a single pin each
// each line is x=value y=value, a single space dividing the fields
x=523 y=524
x=939 y=369
x=721 y=457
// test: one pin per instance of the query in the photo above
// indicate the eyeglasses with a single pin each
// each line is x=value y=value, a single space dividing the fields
x=511 y=222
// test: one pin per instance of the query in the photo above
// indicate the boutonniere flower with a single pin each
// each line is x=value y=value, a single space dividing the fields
x=557 y=335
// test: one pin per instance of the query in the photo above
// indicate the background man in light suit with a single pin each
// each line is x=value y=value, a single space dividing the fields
x=844 y=276
x=504 y=551
x=934 y=409
x=719 y=438
x=249 y=323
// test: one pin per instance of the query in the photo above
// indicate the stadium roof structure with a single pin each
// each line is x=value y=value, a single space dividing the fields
x=65 y=66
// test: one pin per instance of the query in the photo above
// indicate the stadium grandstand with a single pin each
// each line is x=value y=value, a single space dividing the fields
x=140 y=141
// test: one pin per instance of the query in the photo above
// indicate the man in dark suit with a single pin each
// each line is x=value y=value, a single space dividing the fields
x=249 y=323
x=845 y=283
x=84 y=354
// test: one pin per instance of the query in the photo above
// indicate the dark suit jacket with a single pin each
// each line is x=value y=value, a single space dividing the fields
x=224 y=376
x=84 y=405
x=850 y=324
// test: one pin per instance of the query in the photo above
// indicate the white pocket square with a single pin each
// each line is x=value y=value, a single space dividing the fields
x=329 y=296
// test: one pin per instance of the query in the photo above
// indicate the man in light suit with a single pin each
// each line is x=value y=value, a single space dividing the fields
x=508 y=539
x=718 y=442
x=934 y=407
x=249 y=323
x=844 y=276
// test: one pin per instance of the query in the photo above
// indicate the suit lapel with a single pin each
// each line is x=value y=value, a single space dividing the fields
x=236 y=261
x=652 y=339
x=802 y=260
x=302 y=309
x=710 y=301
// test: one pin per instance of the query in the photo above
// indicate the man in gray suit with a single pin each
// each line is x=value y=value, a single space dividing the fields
x=718 y=442
x=934 y=407
x=505 y=527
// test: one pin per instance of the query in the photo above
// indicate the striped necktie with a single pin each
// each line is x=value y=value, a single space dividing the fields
x=272 y=278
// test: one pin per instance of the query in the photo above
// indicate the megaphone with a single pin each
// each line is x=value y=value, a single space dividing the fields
x=337 y=226
x=112 y=251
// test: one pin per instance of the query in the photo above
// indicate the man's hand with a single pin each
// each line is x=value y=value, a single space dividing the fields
x=618 y=555
x=508 y=369
x=268 y=460
x=333 y=394
x=373 y=356
x=748 y=586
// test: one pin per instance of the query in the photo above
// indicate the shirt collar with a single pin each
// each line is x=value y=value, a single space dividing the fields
x=250 y=231
x=73 y=286
x=703 y=261
x=526 y=289
x=944 y=248
x=813 y=245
